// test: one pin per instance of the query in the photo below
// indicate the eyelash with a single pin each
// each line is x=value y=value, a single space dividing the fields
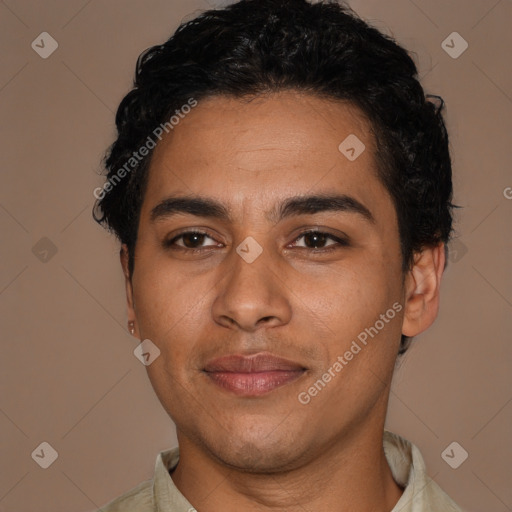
x=169 y=244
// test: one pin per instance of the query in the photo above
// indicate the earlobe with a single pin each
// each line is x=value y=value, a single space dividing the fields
x=124 y=257
x=422 y=287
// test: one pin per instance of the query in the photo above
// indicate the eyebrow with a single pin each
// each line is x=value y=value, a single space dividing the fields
x=297 y=205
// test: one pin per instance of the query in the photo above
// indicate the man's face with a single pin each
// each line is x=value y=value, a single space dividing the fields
x=304 y=298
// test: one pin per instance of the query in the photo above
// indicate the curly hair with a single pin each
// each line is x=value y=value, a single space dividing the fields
x=255 y=47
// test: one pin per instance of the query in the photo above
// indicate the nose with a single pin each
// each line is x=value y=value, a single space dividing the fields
x=251 y=295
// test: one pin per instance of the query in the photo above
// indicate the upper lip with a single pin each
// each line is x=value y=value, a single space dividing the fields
x=261 y=362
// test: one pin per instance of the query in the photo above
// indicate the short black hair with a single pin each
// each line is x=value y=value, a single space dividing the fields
x=257 y=47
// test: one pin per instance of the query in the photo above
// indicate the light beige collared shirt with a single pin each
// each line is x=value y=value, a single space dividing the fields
x=421 y=493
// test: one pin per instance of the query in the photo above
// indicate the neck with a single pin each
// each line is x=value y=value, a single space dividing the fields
x=351 y=474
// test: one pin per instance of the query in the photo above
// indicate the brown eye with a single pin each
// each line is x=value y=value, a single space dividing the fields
x=315 y=239
x=318 y=240
x=192 y=240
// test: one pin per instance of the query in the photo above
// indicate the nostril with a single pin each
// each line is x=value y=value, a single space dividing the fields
x=265 y=319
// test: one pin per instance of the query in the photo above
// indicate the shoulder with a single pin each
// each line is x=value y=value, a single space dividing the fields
x=150 y=495
x=421 y=493
x=138 y=499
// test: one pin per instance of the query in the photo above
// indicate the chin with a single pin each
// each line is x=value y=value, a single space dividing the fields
x=257 y=454
x=253 y=459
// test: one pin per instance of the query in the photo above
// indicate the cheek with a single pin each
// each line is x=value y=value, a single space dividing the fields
x=349 y=297
x=168 y=304
x=170 y=311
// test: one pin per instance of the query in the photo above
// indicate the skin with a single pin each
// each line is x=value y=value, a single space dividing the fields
x=271 y=452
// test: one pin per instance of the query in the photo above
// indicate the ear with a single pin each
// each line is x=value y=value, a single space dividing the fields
x=422 y=287
x=124 y=257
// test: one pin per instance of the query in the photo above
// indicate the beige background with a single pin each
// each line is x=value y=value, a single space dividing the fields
x=69 y=376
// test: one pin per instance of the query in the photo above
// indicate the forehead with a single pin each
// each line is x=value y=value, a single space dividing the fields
x=247 y=151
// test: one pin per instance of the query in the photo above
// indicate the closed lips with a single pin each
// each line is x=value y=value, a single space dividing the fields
x=252 y=364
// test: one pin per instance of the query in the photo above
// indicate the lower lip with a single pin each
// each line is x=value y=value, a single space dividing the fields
x=253 y=384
